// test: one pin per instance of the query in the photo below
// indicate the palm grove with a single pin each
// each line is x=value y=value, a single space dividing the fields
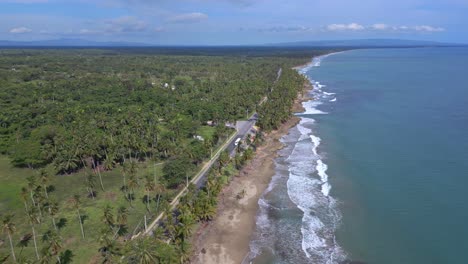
x=106 y=138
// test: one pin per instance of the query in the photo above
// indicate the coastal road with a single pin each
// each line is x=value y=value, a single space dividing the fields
x=242 y=129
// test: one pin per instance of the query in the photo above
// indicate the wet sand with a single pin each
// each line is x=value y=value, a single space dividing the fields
x=226 y=238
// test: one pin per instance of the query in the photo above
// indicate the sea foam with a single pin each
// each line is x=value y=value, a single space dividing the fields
x=312 y=194
x=301 y=175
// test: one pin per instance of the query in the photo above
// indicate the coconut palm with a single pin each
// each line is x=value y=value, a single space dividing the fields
x=54 y=244
x=108 y=217
x=23 y=243
x=32 y=184
x=98 y=172
x=75 y=203
x=121 y=218
x=184 y=251
x=184 y=227
x=108 y=246
x=132 y=184
x=142 y=250
x=90 y=182
x=9 y=228
x=39 y=198
x=149 y=187
x=24 y=197
x=52 y=208
x=44 y=180
x=34 y=219
x=128 y=168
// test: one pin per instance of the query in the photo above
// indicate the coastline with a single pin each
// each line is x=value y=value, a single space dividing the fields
x=226 y=238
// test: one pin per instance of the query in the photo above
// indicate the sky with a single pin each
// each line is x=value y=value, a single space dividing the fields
x=233 y=22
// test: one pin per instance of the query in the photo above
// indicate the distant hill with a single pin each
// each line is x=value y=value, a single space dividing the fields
x=365 y=43
x=68 y=43
x=357 y=43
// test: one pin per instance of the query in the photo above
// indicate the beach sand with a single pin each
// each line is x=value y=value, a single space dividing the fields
x=226 y=238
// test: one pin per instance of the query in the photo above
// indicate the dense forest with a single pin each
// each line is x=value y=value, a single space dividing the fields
x=136 y=122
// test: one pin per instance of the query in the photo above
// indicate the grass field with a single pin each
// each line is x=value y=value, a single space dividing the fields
x=13 y=179
x=84 y=250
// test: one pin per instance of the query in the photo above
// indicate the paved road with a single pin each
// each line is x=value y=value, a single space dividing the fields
x=243 y=128
x=200 y=178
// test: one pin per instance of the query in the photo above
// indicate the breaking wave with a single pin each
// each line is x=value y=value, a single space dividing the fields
x=297 y=218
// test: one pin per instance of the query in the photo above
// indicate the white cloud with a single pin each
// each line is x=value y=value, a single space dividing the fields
x=188 y=18
x=425 y=28
x=345 y=27
x=286 y=29
x=383 y=27
x=86 y=31
x=380 y=26
x=20 y=30
x=125 y=24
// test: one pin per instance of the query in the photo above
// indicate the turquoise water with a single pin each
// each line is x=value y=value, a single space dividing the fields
x=397 y=149
x=377 y=169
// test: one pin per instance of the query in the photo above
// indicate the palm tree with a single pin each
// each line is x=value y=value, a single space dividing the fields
x=98 y=171
x=184 y=251
x=90 y=182
x=149 y=187
x=183 y=229
x=52 y=208
x=132 y=184
x=223 y=159
x=76 y=204
x=121 y=218
x=24 y=197
x=54 y=245
x=34 y=220
x=39 y=198
x=9 y=228
x=32 y=184
x=44 y=180
x=23 y=243
x=108 y=246
x=108 y=217
x=128 y=168
x=159 y=188
x=142 y=250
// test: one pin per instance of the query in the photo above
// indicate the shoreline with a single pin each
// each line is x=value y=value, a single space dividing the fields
x=226 y=238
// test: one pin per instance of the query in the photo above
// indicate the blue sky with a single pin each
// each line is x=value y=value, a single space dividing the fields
x=212 y=22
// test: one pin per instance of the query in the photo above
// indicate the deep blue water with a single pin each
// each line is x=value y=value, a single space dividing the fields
x=397 y=149
x=387 y=132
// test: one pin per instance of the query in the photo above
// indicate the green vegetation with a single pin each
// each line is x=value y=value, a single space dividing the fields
x=278 y=107
x=96 y=143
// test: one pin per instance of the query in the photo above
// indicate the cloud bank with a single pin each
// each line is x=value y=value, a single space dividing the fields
x=20 y=30
x=187 y=18
x=383 y=27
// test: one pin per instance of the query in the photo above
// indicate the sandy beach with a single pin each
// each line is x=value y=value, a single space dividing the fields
x=226 y=238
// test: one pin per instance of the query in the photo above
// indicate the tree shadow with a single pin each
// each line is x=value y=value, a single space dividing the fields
x=50 y=189
x=62 y=222
x=146 y=199
x=84 y=218
x=130 y=197
x=66 y=257
x=92 y=194
x=123 y=230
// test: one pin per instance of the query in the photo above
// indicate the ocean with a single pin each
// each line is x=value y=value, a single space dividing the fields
x=376 y=170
